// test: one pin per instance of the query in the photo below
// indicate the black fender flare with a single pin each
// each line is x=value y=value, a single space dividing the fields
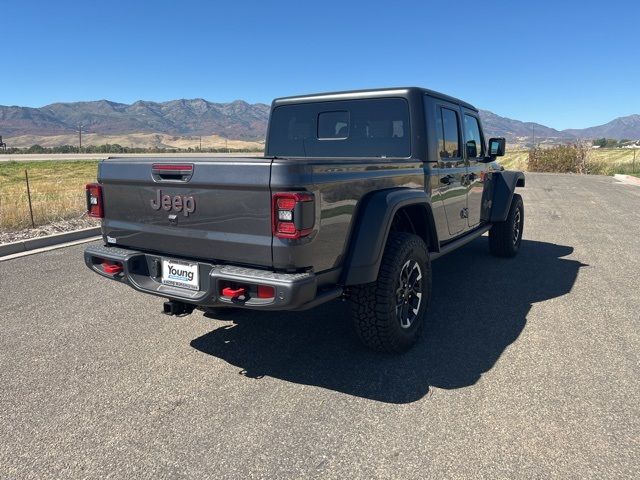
x=371 y=229
x=503 y=186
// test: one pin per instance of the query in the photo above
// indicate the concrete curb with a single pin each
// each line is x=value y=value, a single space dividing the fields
x=627 y=179
x=40 y=242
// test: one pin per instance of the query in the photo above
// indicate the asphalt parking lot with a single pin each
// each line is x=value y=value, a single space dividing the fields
x=529 y=368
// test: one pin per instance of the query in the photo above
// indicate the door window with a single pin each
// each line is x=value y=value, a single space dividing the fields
x=448 y=134
x=475 y=145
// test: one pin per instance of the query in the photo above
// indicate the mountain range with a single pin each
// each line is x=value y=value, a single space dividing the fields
x=238 y=120
x=620 y=128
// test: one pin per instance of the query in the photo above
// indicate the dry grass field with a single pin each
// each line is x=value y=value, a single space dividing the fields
x=602 y=161
x=136 y=140
x=57 y=192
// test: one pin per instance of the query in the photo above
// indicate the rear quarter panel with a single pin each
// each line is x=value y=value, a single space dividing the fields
x=339 y=185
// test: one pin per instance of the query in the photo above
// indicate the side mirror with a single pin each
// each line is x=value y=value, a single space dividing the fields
x=497 y=147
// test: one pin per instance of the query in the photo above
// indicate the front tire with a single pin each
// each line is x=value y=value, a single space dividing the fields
x=388 y=314
x=505 y=237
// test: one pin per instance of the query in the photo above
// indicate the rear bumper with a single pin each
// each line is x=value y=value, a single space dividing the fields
x=293 y=291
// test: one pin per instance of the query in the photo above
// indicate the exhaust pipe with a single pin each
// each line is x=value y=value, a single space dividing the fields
x=177 y=308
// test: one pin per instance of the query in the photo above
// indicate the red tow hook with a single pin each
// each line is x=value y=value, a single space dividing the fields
x=234 y=292
x=111 y=268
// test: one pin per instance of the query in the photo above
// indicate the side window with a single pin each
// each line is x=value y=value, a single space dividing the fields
x=474 y=145
x=333 y=125
x=448 y=133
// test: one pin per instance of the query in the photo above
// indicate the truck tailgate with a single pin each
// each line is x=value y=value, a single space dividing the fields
x=210 y=208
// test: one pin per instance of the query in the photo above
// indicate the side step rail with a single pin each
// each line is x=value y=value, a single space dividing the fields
x=459 y=242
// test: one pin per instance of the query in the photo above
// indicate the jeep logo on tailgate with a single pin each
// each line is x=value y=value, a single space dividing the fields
x=178 y=203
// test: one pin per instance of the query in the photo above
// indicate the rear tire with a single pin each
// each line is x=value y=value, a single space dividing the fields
x=505 y=237
x=388 y=314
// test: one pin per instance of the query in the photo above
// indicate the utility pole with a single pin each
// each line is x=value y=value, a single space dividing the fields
x=226 y=145
x=200 y=142
x=533 y=134
x=80 y=135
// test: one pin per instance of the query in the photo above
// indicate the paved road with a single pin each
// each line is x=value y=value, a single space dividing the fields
x=39 y=157
x=529 y=369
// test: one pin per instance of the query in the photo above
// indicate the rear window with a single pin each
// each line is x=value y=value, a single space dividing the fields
x=352 y=128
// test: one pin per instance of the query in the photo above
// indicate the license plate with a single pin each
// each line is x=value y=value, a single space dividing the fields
x=180 y=274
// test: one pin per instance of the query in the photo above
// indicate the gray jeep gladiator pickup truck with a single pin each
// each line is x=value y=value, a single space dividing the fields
x=356 y=194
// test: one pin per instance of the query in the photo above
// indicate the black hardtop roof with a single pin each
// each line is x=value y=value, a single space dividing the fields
x=369 y=93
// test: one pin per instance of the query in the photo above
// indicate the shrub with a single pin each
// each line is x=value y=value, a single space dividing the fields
x=560 y=159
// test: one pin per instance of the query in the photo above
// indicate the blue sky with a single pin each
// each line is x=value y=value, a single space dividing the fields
x=566 y=64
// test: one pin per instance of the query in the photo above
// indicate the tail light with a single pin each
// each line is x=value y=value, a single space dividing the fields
x=172 y=167
x=172 y=171
x=293 y=214
x=94 y=200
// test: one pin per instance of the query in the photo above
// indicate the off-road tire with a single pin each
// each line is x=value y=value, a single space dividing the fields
x=505 y=237
x=373 y=305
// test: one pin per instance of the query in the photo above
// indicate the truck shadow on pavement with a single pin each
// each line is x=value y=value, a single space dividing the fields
x=479 y=307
